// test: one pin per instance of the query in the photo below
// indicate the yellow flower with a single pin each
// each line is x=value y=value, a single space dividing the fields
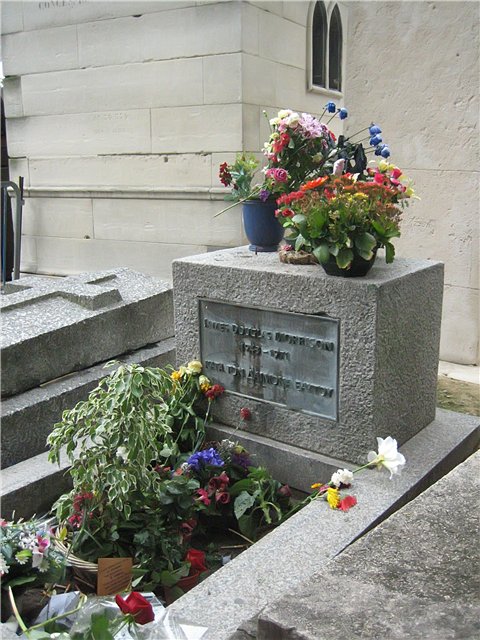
x=317 y=485
x=204 y=387
x=195 y=366
x=203 y=380
x=175 y=375
x=333 y=497
x=361 y=196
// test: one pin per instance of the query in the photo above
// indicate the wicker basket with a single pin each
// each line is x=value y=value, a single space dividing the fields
x=84 y=572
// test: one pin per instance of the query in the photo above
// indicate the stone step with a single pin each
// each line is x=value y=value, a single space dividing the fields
x=52 y=327
x=28 y=417
x=415 y=576
x=292 y=554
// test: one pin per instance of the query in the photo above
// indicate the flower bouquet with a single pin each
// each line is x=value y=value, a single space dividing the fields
x=342 y=219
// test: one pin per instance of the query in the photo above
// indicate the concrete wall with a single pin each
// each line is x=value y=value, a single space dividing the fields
x=415 y=70
x=119 y=114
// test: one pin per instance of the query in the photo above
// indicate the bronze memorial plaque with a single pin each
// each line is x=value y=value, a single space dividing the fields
x=290 y=359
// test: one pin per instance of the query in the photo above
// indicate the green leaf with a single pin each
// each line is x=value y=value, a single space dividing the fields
x=14 y=582
x=389 y=252
x=322 y=253
x=242 y=503
x=344 y=258
x=365 y=242
x=99 y=626
x=299 y=242
x=241 y=485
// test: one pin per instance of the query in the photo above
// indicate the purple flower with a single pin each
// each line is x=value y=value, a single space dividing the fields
x=331 y=107
x=311 y=127
x=264 y=195
x=374 y=129
x=202 y=458
x=343 y=113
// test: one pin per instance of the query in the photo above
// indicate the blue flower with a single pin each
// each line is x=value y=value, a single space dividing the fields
x=379 y=149
x=374 y=140
x=331 y=107
x=385 y=151
x=343 y=113
x=202 y=458
x=374 y=129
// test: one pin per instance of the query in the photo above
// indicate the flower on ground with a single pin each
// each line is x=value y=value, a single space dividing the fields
x=137 y=606
x=388 y=456
x=342 y=477
x=347 y=503
x=333 y=497
x=176 y=375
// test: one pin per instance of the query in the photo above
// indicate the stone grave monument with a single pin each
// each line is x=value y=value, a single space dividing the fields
x=324 y=365
x=57 y=334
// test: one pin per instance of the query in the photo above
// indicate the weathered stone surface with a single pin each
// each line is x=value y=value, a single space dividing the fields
x=28 y=418
x=53 y=327
x=415 y=576
x=291 y=555
x=388 y=346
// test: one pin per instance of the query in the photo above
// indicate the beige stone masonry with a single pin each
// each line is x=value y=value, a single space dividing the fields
x=185 y=32
x=81 y=134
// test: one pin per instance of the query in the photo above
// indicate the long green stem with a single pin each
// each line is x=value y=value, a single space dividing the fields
x=255 y=191
x=17 y=615
x=61 y=615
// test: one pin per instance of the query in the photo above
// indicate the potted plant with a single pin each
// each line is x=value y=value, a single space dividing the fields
x=342 y=220
x=124 y=443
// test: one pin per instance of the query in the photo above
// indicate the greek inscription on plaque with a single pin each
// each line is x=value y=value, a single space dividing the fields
x=290 y=359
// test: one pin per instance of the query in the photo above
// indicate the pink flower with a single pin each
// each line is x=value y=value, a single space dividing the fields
x=203 y=497
x=285 y=491
x=396 y=173
x=347 y=503
x=379 y=178
x=223 y=497
x=288 y=213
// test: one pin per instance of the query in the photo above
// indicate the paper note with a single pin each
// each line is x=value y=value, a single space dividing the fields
x=114 y=575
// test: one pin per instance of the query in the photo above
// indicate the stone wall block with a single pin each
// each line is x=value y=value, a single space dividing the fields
x=80 y=134
x=185 y=32
x=281 y=40
x=258 y=80
x=460 y=338
x=41 y=51
x=12 y=97
x=150 y=171
x=131 y=86
x=12 y=17
x=67 y=256
x=47 y=14
x=167 y=221
x=222 y=79
x=197 y=129
x=60 y=217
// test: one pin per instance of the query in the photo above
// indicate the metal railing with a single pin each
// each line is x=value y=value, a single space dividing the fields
x=17 y=227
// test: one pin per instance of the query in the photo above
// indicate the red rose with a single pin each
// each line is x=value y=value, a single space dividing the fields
x=196 y=559
x=136 y=605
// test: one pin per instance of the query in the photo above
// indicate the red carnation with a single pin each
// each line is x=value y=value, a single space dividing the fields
x=245 y=413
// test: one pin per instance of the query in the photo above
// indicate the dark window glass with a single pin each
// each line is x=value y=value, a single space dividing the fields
x=319 y=41
x=335 y=51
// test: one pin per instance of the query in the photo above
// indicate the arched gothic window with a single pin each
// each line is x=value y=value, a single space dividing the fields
x=327 y=47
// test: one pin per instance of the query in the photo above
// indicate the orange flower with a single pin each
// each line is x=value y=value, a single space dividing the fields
x=313 y=184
